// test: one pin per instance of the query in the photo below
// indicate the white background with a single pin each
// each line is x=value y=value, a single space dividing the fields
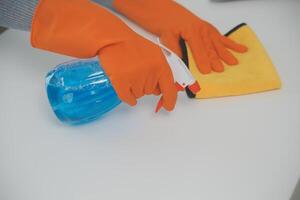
x=236 y=148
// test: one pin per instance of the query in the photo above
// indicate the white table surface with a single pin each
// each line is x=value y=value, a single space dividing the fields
x=236 y=148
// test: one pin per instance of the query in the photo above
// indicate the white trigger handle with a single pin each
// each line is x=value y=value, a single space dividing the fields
x=181 y=73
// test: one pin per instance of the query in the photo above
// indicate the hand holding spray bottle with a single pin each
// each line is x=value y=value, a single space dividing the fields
x=80 y=92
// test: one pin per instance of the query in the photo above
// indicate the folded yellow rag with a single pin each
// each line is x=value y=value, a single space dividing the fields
x=255 y=72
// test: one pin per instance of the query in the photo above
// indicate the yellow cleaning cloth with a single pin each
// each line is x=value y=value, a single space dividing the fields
x=255 y=73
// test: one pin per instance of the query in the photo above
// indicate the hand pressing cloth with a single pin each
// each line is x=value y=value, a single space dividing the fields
x=254 y=73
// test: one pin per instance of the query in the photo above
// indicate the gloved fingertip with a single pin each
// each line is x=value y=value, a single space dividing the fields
x=131 y=102
x=169 y=107
x=170 y=104
x=203 y=66
x=242 y=49
x=229 y=58
x=217 y=66
x=233 y=61
x=205 y=70
x=231 y=44
x=169 y=90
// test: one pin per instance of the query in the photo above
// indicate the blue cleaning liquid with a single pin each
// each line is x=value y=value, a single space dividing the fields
x=79 y=91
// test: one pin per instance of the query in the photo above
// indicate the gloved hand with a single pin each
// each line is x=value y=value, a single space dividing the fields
x=170 y=21
x=83 y=29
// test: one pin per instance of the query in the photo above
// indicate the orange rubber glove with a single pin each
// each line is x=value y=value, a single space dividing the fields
x=83 y=29
x=170 y=21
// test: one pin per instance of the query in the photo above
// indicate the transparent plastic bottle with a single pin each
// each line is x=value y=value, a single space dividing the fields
x=79 y=91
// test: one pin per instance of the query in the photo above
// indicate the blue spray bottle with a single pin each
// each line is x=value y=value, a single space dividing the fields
x=80 y=92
